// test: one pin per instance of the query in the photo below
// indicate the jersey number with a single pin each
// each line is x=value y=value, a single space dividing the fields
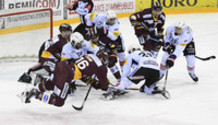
x=82 y=63
x=145 y=54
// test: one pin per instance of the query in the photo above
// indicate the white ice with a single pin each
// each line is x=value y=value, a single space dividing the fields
x=190 y=104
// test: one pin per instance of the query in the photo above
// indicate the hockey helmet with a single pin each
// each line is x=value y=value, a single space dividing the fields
x=111 y=14
x=133 y=48
x=65 y=27
x=157 y=6
x=76 y=40
x=103 y=56
x=111 y=17
x=180 y=25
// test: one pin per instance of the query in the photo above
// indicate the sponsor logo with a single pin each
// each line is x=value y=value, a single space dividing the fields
x=35 y=3
x=47 y=3
x=177 y=3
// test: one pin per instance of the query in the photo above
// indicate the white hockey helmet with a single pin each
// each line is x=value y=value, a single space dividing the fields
x=111 y=15
x=180 y=24
x=133 y=48
x=77 y=39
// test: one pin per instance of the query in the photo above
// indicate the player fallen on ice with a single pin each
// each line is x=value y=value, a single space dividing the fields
x=139 y=65
x=178 y=39
x=149 y=26
x=67 y=71
x=49 y=54
x=77 y=48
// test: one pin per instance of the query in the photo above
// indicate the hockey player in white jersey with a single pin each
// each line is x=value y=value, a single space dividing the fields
x=78 y=47
x=107 y=26
x=139 y=65
x=178 y=38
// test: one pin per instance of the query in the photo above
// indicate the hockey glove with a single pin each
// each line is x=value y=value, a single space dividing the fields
x=169 y=48
x=112 y=47
x=102 y=31
x=170 y=61
x=112 y=60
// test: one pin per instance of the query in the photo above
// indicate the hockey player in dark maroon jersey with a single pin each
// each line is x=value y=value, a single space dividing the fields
x=149 y=26
x=66 y=72
x=81 y=7
x=111 y=47
x=51 y=53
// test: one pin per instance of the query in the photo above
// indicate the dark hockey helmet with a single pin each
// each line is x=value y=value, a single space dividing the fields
x=103 y=56
x=65 y=27
x=157 y=6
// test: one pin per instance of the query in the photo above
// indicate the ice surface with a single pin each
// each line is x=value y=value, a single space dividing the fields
x=190 y=104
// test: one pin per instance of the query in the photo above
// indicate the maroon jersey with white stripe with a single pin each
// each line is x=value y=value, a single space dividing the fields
x=90 y=65
x=147 y=23
x=56 y=48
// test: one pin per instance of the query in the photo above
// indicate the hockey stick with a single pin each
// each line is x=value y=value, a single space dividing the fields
x=165 y=81
x=206 y=58
x=81 y=107
x=164 y=92
x=155 y=40
x=125 y=88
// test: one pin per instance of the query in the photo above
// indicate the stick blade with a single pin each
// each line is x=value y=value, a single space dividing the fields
x=78 y=108
x=165 y=94
x=213 y=57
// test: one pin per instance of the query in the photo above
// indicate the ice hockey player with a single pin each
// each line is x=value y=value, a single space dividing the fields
x=67 y=71
x=105 y=44
x=78 y=47
x=178 y=38
x=107 y=26
x=113 y=26
x=139 y=65
x=81 y=7
x=149 y=26
x=50 y=53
